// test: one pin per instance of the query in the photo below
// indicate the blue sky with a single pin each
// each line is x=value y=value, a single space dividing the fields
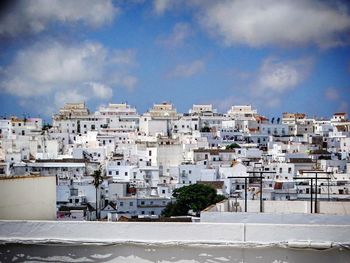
x=276 y=55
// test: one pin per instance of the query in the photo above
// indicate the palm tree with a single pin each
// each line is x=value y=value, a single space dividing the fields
x=98 y=179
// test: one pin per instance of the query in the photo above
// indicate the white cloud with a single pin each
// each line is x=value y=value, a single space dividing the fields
x=160 y=6
x=34 y=16
x=279 y=76
x=124 y=57
x=272 y=22
x=62 y=97
x=180 y=33
x=65 y=71
x=101 y=91
x=187 y=70
x=332 y=94
x=129 y=82
x=259 y=23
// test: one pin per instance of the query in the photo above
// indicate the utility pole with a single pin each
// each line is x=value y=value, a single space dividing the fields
x=316 y=187
x=261 y=177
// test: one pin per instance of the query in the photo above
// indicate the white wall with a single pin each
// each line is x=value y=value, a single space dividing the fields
x=28 y=198
x=173 y=242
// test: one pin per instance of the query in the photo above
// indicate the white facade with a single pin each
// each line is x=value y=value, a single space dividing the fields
x=28 y=198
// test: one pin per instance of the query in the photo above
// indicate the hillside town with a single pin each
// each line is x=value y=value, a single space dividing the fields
x=142 y=158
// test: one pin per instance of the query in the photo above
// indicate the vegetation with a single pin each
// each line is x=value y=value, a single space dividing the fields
x=195 y=197
x=232 y=146
x=205 y=129
x=98 y=179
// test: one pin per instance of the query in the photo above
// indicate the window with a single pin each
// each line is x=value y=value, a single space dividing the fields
x=126 y=173
x=116 y=172
x=149 y=153
x=280 y=170
x=121 y=203
x=142 y=202
x=163 y=191
x=109 y=172
x=289 y=170
x=131 y=203
x=189 y=171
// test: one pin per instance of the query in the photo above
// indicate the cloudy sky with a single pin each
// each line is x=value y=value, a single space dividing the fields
x=276 y=55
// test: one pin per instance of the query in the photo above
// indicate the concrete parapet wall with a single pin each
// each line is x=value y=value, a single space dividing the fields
x=170 y=233
x=273 y=218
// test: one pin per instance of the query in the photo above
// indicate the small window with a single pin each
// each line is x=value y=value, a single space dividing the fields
x=121 y=203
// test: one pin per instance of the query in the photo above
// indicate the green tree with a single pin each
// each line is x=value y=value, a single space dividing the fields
x=98 y=179
x=232 y=146
x=205 y=129
x=195 y=197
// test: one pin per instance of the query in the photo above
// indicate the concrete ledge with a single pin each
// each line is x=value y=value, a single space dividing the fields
x=199 y=234
x=274 y=218
x=121 y=232
x=284 y=232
